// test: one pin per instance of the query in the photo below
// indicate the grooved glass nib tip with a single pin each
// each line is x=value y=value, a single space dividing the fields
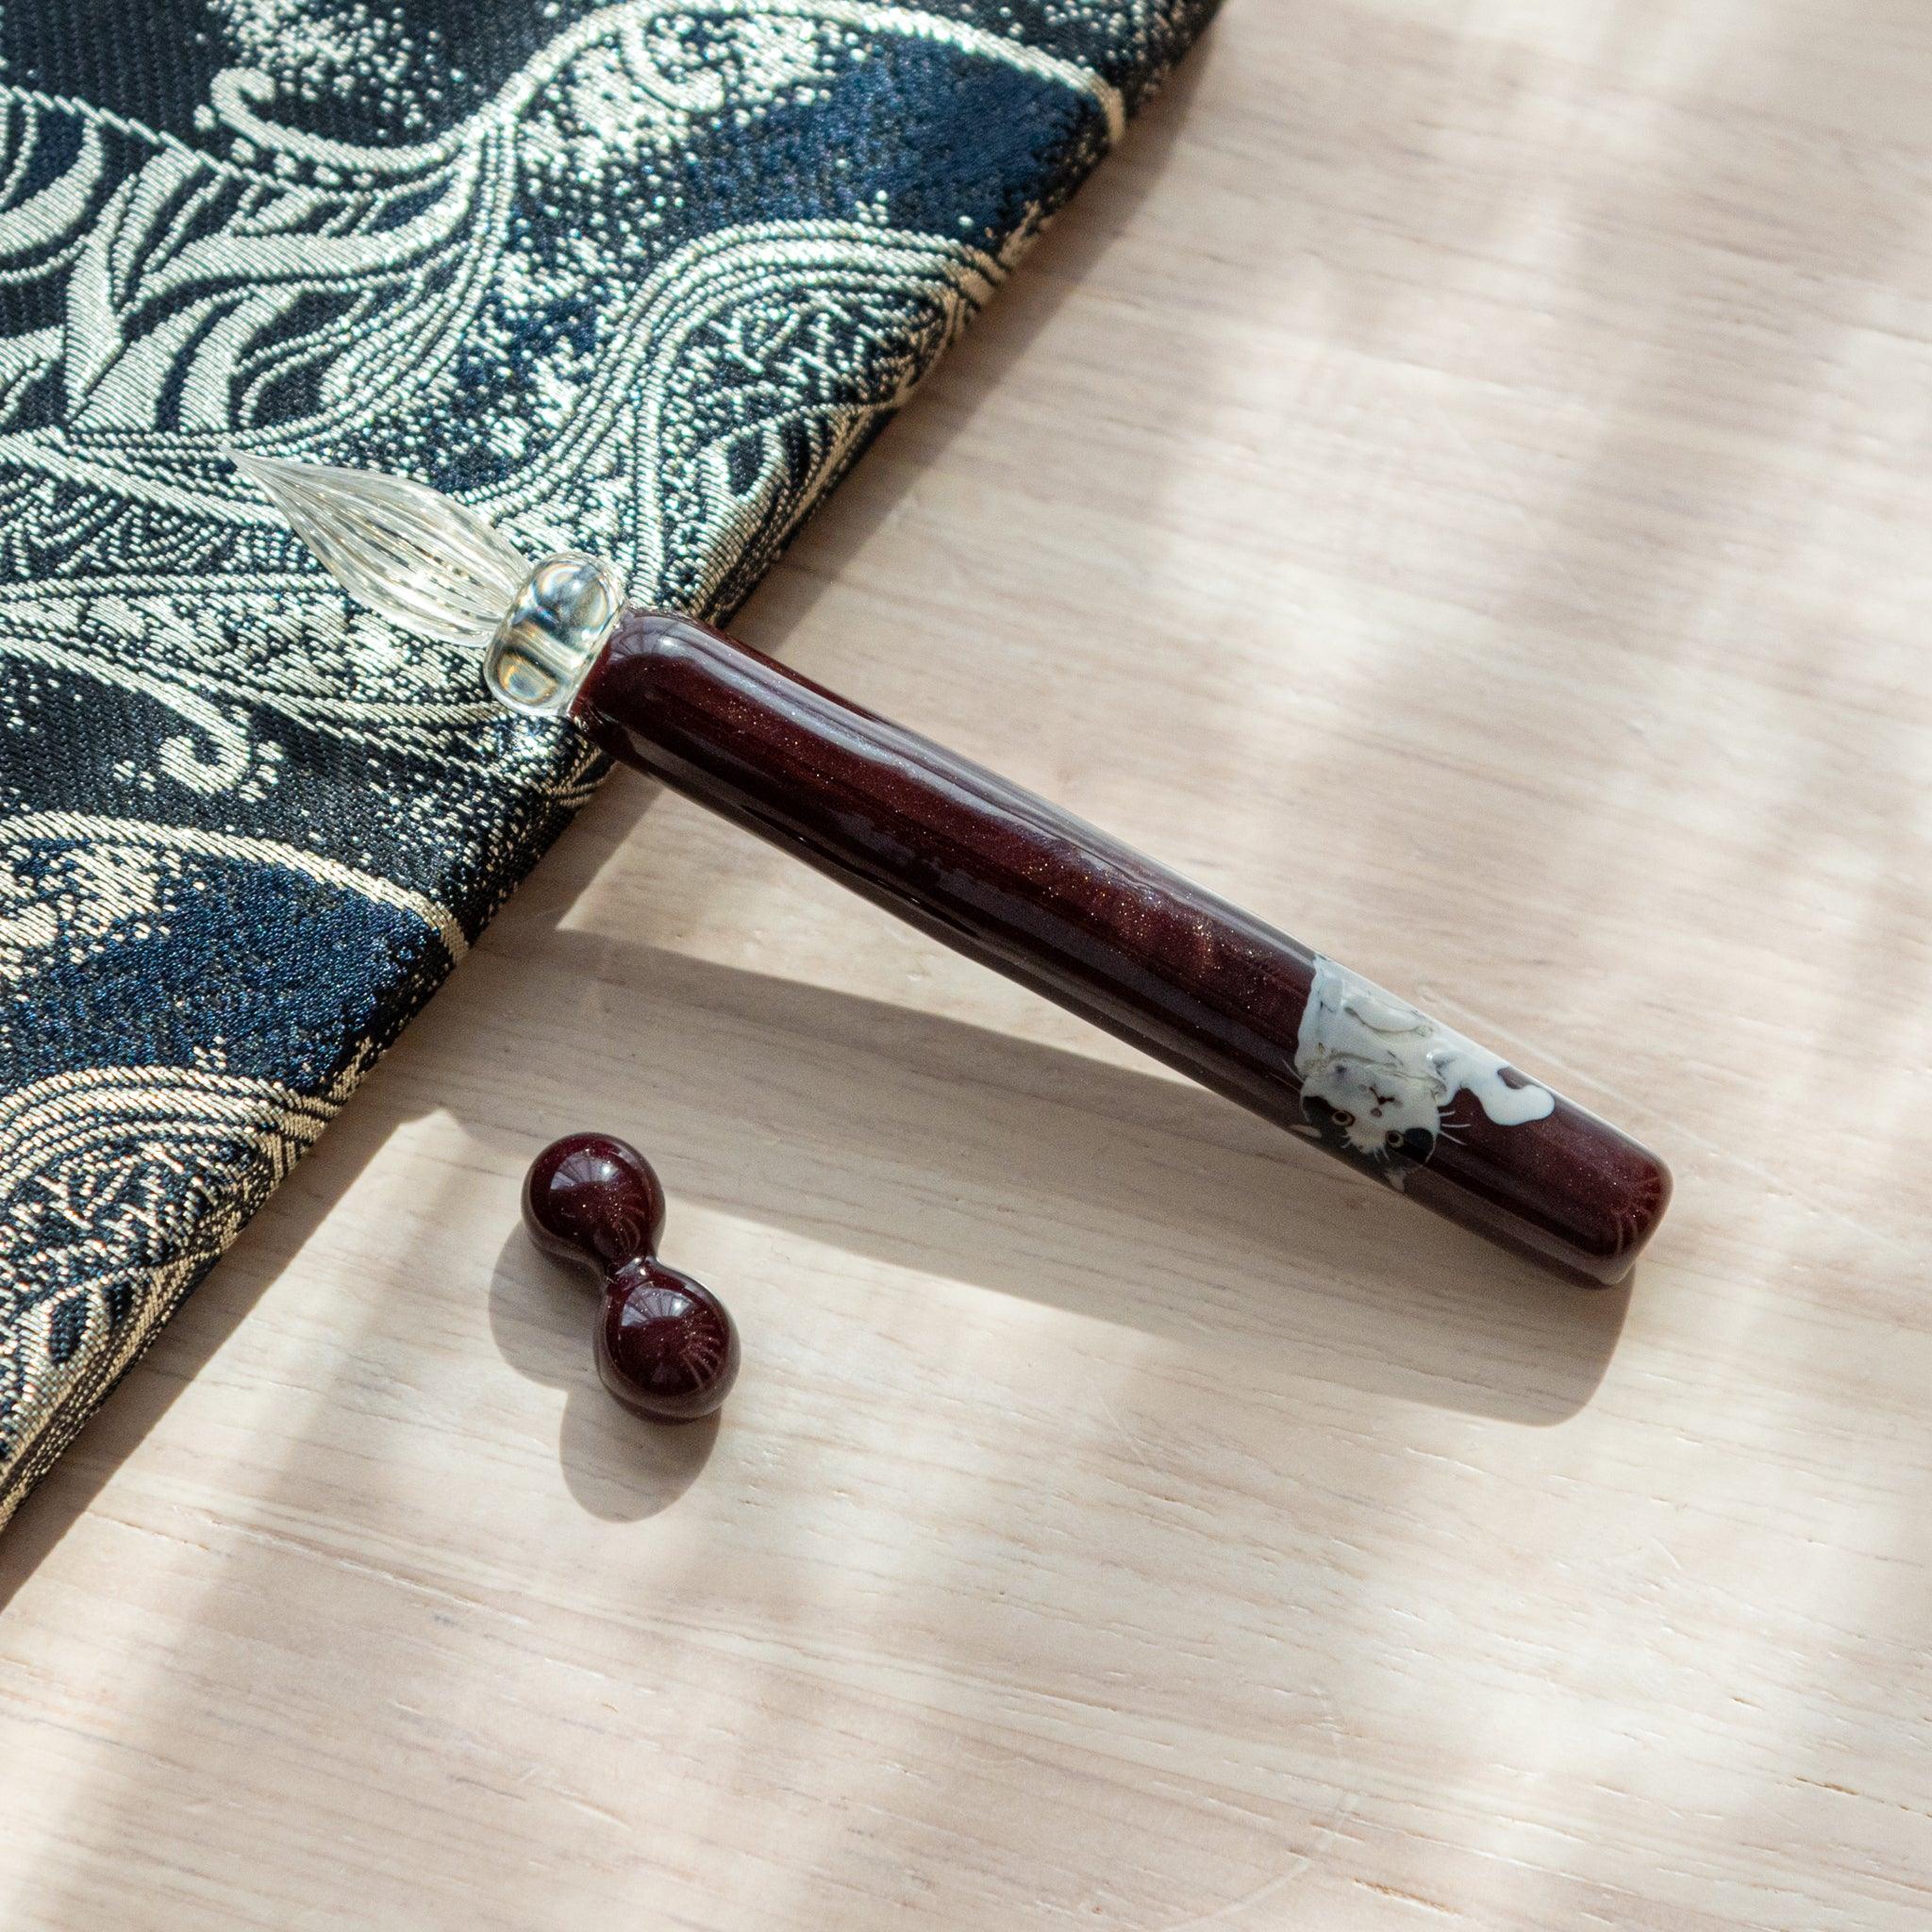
x=409 y=552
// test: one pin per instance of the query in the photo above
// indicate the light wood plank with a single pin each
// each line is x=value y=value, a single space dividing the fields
x=1455 y=482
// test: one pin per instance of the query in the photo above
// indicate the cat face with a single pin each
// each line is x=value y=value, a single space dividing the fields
x=1377 y=1076
x=1382 y=1120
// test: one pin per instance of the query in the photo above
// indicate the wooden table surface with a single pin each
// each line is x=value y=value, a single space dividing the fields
x=1457 y=483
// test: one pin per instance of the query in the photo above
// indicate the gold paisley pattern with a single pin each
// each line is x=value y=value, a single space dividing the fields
x=641 y=278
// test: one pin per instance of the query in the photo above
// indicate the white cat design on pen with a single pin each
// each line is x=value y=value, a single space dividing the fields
x=1377 y=1075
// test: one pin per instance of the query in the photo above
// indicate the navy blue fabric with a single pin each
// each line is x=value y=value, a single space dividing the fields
x=640 y=279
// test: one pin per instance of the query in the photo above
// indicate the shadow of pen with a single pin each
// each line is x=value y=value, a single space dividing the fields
x=924 y=1142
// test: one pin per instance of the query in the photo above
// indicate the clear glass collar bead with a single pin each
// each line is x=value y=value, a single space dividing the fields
x=563 y=615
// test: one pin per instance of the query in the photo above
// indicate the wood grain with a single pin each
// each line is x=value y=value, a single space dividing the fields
x=1506 y=427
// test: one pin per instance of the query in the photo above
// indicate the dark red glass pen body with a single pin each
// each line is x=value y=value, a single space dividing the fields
x=1012 y=881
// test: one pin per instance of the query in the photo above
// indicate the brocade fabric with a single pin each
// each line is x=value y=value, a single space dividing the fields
x=640 y=279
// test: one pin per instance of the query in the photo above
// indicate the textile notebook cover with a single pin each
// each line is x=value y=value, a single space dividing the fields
x=639 y=279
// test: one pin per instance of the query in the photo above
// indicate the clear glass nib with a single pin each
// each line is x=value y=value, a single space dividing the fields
x=409 y=552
